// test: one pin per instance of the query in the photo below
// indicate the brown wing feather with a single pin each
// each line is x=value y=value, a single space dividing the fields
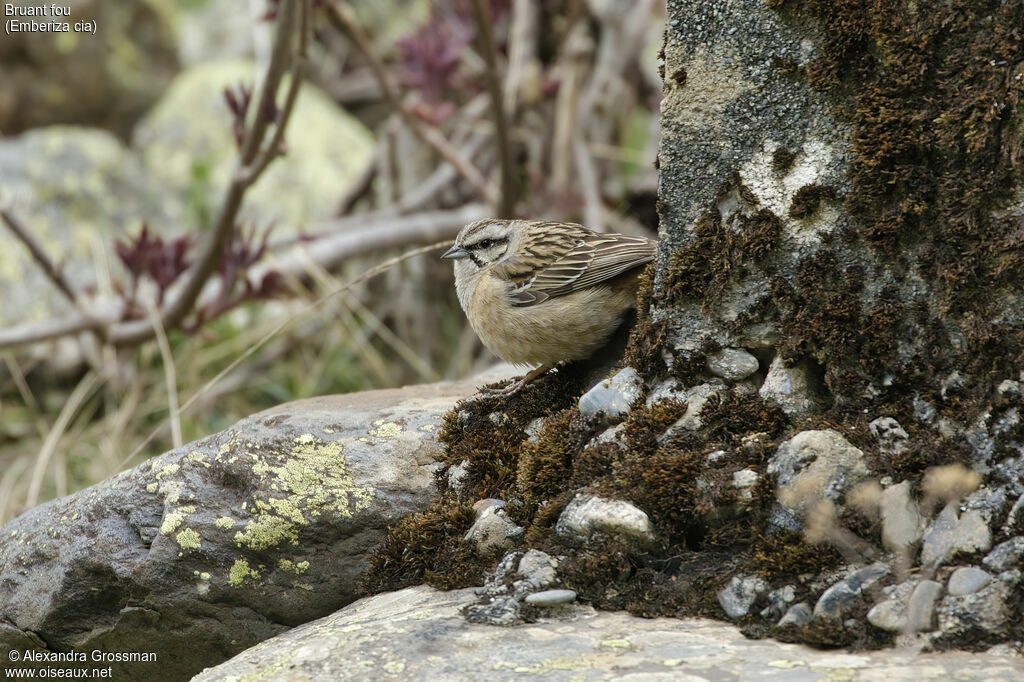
x=581 y=258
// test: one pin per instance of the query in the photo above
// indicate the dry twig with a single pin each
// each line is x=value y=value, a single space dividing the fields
x=485 y=32
x=429 y=134
x=343 y=238
x=256 y=153
x=39 y=255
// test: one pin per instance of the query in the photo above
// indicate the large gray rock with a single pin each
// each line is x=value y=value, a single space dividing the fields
x=419 y=634
x=75 y=190
x=588 y=517
x=189 y=128
x=213 y=547
x=613 y=396
x=815 y=465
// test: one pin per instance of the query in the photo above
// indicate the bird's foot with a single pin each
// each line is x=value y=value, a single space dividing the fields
x=516 y=386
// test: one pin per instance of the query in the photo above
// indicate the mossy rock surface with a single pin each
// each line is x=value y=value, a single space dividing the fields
x=211 y=548
x=819 y=178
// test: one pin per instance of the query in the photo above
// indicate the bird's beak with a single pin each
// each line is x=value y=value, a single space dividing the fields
x=455 y=253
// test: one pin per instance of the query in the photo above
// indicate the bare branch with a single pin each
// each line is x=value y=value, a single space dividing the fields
x=345 y=238
x=570 y=67
x=523 y=65
x=39 y=255
x=76 y=323
x=133 y=333
x=429 y=134
x=593 y=210
x=485 y=31
x=273 y=149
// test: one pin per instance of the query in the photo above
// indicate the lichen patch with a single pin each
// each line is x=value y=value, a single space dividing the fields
x=312 y=480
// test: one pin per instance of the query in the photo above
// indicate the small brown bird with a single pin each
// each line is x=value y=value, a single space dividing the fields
x=540 y=293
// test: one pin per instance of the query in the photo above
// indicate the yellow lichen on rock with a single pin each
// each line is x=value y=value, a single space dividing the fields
x=385 y=430
x=239 y=572
x=173 y=519
x=189 y=539
x=314 y=480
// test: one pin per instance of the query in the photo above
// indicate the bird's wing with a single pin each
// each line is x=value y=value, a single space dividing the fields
x=575 y=258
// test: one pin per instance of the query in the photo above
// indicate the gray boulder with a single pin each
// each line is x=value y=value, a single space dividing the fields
x=420 y=634
x=208 y=549
x=588 y=517
x=815 y=465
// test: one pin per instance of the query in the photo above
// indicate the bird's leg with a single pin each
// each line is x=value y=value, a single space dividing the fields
x=518 y=385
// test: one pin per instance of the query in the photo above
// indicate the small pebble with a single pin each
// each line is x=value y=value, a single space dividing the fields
x=798 y=615
x=967 y=580
x=551 y=597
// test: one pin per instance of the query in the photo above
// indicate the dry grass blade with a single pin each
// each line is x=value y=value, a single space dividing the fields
x=284 y=324
x=170 y=376
x=8 y=483
x=78 y=396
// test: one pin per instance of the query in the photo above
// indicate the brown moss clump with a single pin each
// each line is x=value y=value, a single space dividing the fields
x=730 y=418
x=666 y=474
x=782 y=158
x=612 y=576
x=646 y=424
x=808 y=199
x=546 y=463
x=647 y=338
x=719 y=252
x=427 y=547
x=935 y=97
x=786 y=555
x=936 y=101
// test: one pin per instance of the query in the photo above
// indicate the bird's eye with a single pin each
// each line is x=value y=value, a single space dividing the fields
x=485 y=244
